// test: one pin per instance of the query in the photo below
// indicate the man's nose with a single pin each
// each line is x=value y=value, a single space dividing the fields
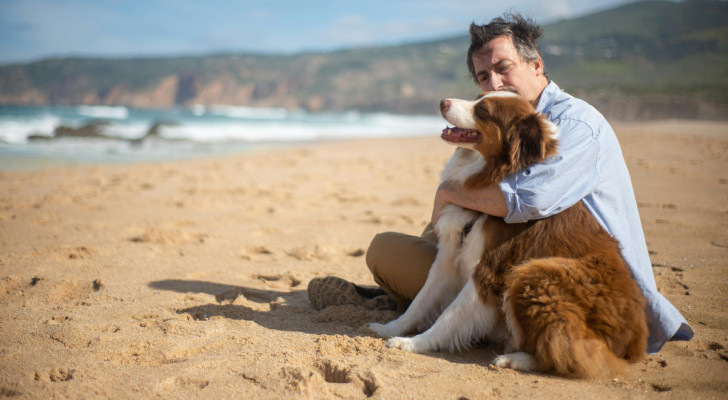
x=494 y=82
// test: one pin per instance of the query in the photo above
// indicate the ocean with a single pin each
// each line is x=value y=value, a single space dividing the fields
x=38 y=137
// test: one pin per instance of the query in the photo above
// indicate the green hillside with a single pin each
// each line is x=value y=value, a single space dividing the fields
x=640 y=46
x=650 y=59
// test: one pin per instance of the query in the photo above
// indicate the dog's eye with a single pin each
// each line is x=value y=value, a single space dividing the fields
x=482 y=108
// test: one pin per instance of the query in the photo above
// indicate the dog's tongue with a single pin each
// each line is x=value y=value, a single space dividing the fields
x=460 y=135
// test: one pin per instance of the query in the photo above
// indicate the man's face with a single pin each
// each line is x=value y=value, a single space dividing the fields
x=498 y=66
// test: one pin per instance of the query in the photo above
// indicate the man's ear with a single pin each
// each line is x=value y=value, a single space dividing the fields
x=538 y=66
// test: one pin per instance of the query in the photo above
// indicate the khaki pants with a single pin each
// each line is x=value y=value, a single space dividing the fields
x=400 y=263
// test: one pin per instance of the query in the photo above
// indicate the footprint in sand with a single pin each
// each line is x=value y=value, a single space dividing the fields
x=719 y=350
x=258 y=253
x=356 y=253
x=322 y=378
x=356 y=317
x=389 y=221
x=179 y=381
x=13 y=285
x=70 y=333
x=43 y=290
x=147 y=320
x=55 y=375
x=354 y=198
x=330 y=376
x=78 y=253
x=65 y=252
x=7 y=392
x=661 y=388
x=313 y=252
x=407 y=201
x=301 y=379
x=167 y=237
x=670 y=279
x=334 y=373
x=279 y=280
x=663 y=206
x=242 y=295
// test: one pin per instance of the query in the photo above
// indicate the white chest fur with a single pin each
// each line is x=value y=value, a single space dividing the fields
x=464 y=163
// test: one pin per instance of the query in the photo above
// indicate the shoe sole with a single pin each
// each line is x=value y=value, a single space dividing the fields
x=332 y=291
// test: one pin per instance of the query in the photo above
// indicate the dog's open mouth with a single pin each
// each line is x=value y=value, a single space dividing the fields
x=460 y=135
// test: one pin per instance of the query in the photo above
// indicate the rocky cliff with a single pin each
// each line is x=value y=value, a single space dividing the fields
x=642 y=60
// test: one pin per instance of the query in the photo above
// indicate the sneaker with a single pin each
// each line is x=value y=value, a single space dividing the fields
x=383 y=302
x=334 y=291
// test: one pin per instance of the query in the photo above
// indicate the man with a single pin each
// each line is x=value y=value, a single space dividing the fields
x=504 y=55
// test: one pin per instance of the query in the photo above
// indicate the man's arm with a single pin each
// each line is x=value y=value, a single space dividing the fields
x=542 y=190
x=489 y=200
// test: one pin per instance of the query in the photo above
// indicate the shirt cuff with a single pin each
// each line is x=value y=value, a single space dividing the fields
x=515 y=212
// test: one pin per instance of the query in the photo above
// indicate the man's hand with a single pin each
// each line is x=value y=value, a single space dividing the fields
x=488 y=200
x=442 y=198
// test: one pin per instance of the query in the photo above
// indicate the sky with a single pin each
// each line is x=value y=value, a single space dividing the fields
x=39 y=29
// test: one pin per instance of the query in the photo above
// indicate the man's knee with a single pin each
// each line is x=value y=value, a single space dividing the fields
x=401 y=254
x=380 y=246
x=399 y=263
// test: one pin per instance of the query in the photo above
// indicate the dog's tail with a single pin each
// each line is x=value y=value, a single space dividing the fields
x=562 y=352
x=549 y=304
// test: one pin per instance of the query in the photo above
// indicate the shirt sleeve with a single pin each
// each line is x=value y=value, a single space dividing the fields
x=556 y=184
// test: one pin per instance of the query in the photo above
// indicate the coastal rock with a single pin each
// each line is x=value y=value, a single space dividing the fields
x=93 y=129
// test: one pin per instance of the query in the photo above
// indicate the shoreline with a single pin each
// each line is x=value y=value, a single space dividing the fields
x=188 y=278
x=75 y=152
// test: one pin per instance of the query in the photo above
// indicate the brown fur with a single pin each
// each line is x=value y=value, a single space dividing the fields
x=513 y=138
x=578 y=310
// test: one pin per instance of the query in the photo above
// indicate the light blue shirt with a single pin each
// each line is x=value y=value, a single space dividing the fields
x=589 y=167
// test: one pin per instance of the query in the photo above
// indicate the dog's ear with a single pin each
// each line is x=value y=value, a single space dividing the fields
x=538 y=139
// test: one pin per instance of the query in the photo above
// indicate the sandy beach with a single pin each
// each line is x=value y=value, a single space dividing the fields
x=188 y=279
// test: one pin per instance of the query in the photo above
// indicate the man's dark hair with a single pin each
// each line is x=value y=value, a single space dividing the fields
x=524 y=33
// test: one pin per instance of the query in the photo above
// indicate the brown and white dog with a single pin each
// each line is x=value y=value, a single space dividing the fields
x=555 y=292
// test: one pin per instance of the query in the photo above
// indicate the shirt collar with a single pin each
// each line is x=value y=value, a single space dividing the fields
x=547 y=96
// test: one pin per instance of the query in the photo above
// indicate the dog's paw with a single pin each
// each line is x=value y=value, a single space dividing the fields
x=519 y=361
x=383 y=330
x=403 y=343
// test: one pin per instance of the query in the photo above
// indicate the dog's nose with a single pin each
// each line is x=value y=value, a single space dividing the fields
x=444 y=106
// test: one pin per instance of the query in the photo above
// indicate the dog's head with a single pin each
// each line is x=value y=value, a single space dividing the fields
x=503 y=127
